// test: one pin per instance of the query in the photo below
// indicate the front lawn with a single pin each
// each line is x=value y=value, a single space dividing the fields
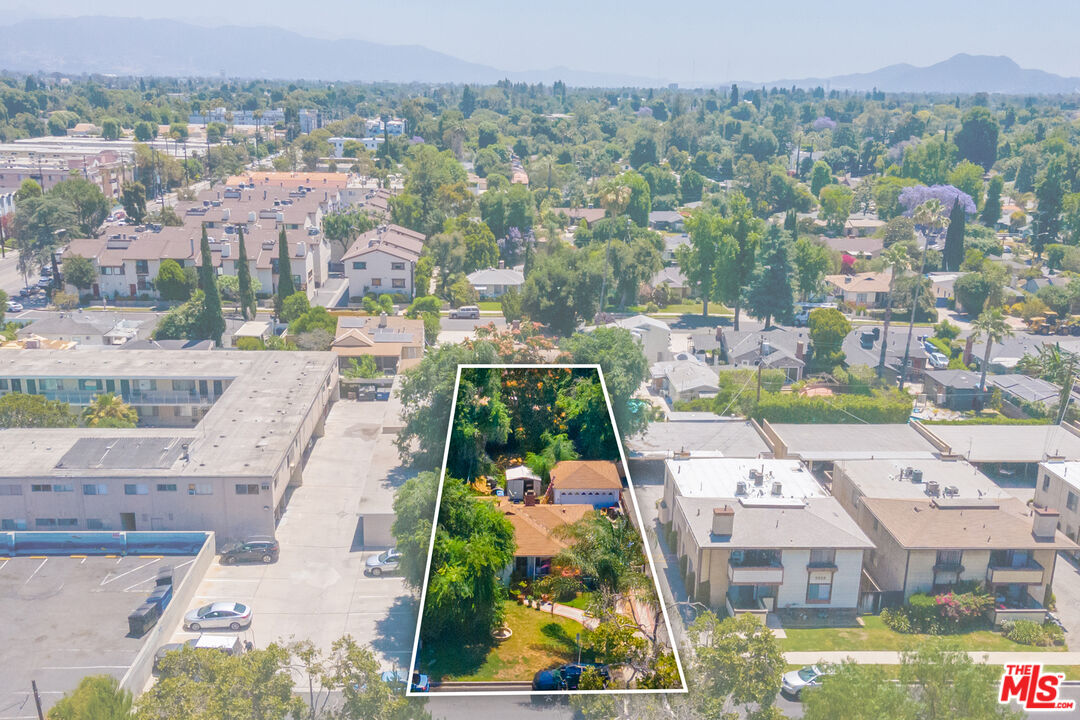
x=492 y=305
x=581 y=602
x=540 y=641
x=877 y=636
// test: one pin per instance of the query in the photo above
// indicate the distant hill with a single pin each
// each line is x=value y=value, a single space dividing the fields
x=130 y=46
x=959 y=74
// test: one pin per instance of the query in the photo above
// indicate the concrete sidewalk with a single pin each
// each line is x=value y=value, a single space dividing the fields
x=888 y=657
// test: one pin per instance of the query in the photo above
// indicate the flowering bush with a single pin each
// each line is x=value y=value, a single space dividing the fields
x=938 y=614
x=914 y=196
x=824 y=123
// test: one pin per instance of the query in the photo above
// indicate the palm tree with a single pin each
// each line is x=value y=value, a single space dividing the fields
x=109 y=411
x=556 y=449
x=607 y=552
x=931 y=216
x=897 y=260
x=992 y=325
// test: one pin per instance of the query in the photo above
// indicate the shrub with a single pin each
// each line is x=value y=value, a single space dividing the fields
x=946 y=330
x=249 y=343
x=939 y=614
x=1028 y=632
x=896 y=620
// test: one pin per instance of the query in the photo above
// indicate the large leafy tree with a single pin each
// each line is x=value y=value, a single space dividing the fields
x=708 y=258
x=171 y=282
x=1050 y=194
x=414 y=512
x=87 y=202
x=133 y=198
x=771 y=294
x=563 y=288
x=737 y=663
x=977 y=139
x=812 y=262
x=991 y=211
x=586 y=409
x=79 y=271
x=828 y=328
x=625 y=369
x=20 y=410
x=97 y=697
x=481 y=419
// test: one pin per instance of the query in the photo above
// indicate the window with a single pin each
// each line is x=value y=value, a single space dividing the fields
x=67 y=522
x=41 y=488
x=45 y=522
x=949 y=557
x=1070 y=501
x=142 y=267
x=359 y=266
x=1046 y=482
x=200 y=489
x=136 y=489
x=12 y=524
x=3 y=384
x=63 y=488
x=85 y=384
x=95 y=524
x=397 y=266
x=10 y=489
x=183 y=386
x=95 y=489
x=50 y=384
x=823 y=557
x=398 y=282
x=819 y=592
x=376 y=282
x=166 y=487
x=252 y=489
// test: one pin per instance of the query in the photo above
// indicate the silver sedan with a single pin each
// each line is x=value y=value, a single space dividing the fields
x=218 y=616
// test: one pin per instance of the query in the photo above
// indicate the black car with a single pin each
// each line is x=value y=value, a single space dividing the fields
x=566 y=677
x=254 y=549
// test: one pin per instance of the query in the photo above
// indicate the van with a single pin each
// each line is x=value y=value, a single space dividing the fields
x=465 y=312
x=228 y=644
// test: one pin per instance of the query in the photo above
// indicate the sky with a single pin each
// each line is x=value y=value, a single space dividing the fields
x=691 y=41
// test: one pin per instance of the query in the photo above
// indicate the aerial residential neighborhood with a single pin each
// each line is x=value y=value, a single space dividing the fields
x=351 y=369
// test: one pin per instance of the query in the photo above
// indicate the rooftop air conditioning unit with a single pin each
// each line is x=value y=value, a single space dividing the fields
x=777 y=488
x=916 y=475
x=932 y=488
x=756 y=475
x=740 y=487
x=951 y=491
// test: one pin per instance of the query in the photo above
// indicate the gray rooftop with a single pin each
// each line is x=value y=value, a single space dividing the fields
x=820 y=523
x=1009 y=443
x=115 y=453
x=853 y=441
x=711 y=436
x=955 y=379
x=248 y=431
x=886 y=478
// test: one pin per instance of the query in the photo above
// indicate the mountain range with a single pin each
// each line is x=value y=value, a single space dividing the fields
x=131 y=46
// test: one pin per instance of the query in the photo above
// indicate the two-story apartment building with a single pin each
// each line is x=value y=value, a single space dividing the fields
x=938 y=523
x=383 y=260
x=762 y=536
x=1058 y=488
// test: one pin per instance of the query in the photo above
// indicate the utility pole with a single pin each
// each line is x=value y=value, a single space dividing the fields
x=914 y=307
x=37 y=700
x=760 y=362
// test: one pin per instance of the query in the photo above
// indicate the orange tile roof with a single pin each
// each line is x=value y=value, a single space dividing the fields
x=585 y=474
x=535 y=526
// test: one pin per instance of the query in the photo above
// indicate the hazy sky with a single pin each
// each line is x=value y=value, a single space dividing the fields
x=691 y=40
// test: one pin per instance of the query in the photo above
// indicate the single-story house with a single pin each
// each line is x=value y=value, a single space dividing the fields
x=536 y=534
x=862 y=224
x=777 y=348
x=684 y=379
x=954 y=389
x=866 y=289
x=396 y=342
x=672 y=243
x=855 y=245
x=257 y=329
x=673 y=277
x=576 y=215
x=493 y=282
x=666 y=220
x=585 y=482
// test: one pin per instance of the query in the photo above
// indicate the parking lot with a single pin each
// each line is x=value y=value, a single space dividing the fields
x=66 y=618
x=317 y=589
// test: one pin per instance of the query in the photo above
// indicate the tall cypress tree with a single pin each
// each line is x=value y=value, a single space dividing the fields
x=243 y=276
x=211 y=321
x=953 y=256
x=991 y=211
x=285 y=286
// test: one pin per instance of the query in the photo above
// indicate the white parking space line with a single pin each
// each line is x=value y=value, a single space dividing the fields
x=4 y=564
x=36 y=571
x=108 y=580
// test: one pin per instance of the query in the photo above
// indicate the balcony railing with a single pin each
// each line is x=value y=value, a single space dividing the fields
x=166 y=397
x=1029 y=574
x=756 y=574
x=754 y=607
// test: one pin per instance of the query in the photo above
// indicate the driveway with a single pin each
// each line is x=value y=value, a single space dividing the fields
x=317 y=590
x=1067 y=595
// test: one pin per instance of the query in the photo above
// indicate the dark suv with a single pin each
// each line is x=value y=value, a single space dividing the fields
x=254 y=549
x=566 y=677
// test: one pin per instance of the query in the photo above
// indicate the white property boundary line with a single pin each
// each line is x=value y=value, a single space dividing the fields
x=640 y=528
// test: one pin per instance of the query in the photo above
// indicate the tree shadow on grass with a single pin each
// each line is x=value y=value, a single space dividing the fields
x=556 y=632
x=451 y=659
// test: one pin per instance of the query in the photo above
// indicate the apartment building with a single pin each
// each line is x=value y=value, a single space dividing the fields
x=762 y=536
x=383 y=260
x=221 y=436
x=49 y=161
x=1058 y=488
x=939 y=523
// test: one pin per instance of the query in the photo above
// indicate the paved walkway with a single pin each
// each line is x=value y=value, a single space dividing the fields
x=887 y=657
x=570 y=613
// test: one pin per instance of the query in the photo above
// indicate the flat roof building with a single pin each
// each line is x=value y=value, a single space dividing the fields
x=222 y=435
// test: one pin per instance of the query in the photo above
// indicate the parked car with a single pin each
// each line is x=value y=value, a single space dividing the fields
x=465 y=312
x=13 y=306
x=259 y=548
x=164 y=650
x=384 y=562
x=866 y=339
x=396 y=678
x=938 y=361
x=44 y=282
x=566 y=677
x=218 y=616
x=796 y=681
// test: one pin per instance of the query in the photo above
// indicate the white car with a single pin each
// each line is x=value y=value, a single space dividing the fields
x=13 y=306
x=218 y=616
x=796 y=681
x=938 y=360
x=384 y=562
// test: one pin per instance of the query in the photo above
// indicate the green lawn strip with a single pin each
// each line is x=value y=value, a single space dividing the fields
x=581 y=602
x=1072 y=672
x=875 y=635
x=539 y=641
x=490 y=305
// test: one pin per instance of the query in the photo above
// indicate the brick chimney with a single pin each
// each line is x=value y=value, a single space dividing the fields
x=1044 y=522
x=799 y=349
x=723 y=520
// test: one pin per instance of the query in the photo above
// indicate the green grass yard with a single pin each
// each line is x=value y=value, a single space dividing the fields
x=581 y=602
x=540 y=641
x=875 y=635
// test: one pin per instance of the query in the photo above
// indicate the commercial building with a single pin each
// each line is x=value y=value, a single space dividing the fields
x=763 y=536
x=937 y=523
x=221 y=436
